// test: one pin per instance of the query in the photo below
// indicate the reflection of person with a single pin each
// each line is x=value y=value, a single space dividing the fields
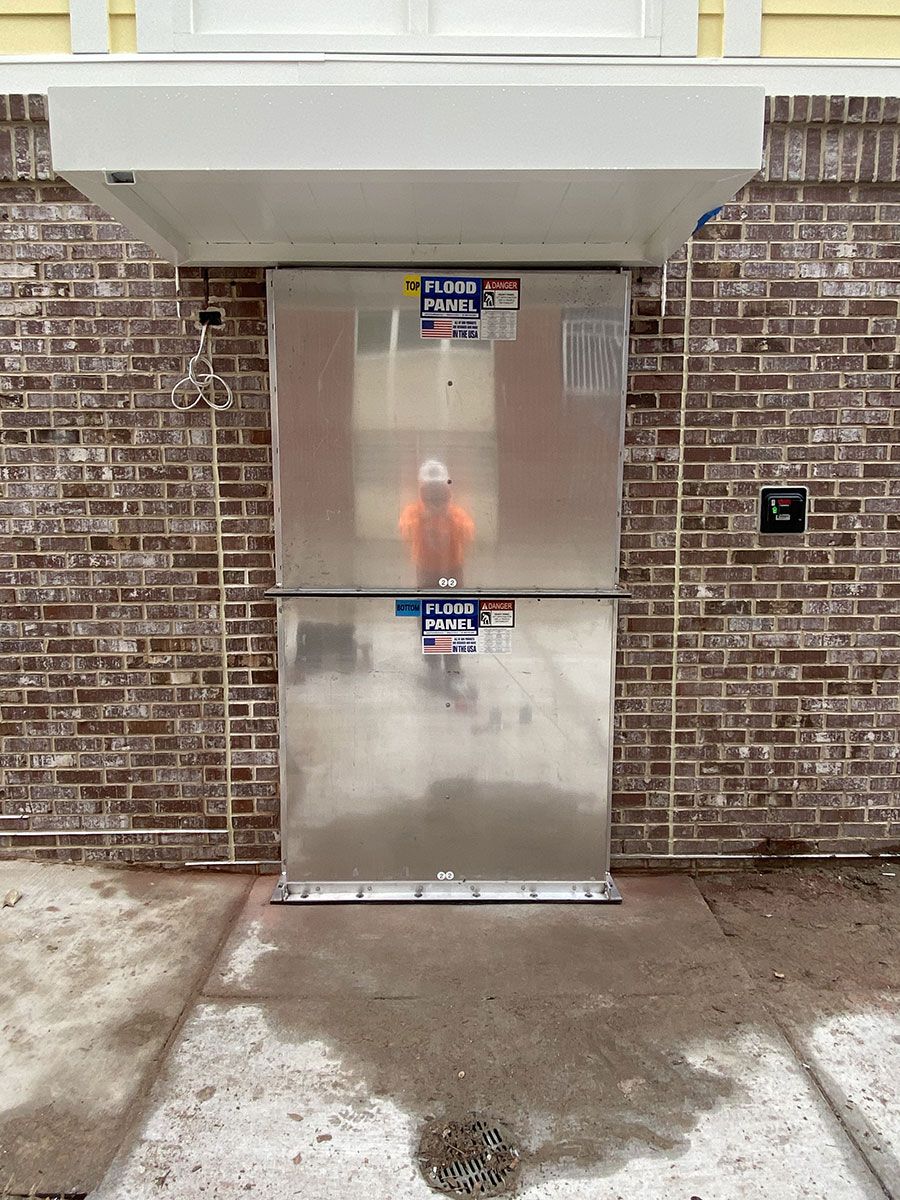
x=437 y=531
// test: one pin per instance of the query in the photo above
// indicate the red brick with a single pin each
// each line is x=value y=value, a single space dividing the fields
x=786 y=654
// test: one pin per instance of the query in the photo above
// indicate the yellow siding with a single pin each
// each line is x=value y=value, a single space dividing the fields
x=709 y=34
x=831 y=28
x=834 y=37
x=122 y=34
x=813 y=28
x=835 y=8
x=34 y=27
x=791 y=28
x=122 y=31
x=42 y=27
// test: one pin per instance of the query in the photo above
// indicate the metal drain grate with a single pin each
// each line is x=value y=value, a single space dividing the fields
x=472 y=1157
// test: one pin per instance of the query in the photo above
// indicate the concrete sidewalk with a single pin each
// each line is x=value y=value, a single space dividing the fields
x=97 y=968
x=635 y=1052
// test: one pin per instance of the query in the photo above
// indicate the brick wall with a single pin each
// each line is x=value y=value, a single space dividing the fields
x=784 y=735
x=784 y=730
x=111 y=698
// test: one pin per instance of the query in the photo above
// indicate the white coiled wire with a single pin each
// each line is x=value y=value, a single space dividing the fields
x=203 y=382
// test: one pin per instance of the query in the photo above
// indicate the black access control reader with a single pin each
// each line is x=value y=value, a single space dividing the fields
x=783 y=510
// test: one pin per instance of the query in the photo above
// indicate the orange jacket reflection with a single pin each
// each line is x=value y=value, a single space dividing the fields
x=437 y=531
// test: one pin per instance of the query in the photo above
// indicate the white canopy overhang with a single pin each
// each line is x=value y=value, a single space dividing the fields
x=408 y=173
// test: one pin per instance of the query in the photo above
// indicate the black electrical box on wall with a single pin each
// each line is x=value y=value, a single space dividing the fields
x=782 y=510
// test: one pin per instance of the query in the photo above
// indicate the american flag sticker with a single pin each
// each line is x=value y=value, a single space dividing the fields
x=437 y=327
x=463 y=328
x=449 y=643
x=440 y=644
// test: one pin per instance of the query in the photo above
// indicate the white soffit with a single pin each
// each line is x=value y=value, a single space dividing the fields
x=409 y=173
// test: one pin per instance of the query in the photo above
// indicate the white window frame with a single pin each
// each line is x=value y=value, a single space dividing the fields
x=166 y=27
x=742 y=35
x=89 y=26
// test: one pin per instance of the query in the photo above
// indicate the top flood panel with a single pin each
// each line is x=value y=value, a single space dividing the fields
x=402 y=459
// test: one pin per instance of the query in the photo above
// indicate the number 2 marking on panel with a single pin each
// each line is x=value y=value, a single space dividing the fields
x=447 y=582
x=445 y=874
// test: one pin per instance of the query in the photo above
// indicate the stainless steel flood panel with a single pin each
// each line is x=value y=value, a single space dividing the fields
x=401 y=766
x=408 y=775
x=530 y=430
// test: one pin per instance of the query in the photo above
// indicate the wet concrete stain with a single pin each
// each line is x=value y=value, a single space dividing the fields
x=589 y=1087
x=591 y=1080
x=588 y=1078
x=588 y=1082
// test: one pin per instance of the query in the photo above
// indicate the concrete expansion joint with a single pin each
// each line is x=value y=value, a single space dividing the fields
x=298 y=1033
x=883 y=1166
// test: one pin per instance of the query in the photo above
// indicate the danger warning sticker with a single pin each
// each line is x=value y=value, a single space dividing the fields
x=499 y=293
x=494 y=613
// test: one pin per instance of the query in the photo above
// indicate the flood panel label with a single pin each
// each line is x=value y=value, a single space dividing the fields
x=466 y=625
x=463 y=307
x=449 y=296
x=449 y=614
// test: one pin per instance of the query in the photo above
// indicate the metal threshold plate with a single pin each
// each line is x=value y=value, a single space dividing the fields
x=596 y=891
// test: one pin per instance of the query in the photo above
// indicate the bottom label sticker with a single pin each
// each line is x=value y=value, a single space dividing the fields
x=405 y=607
